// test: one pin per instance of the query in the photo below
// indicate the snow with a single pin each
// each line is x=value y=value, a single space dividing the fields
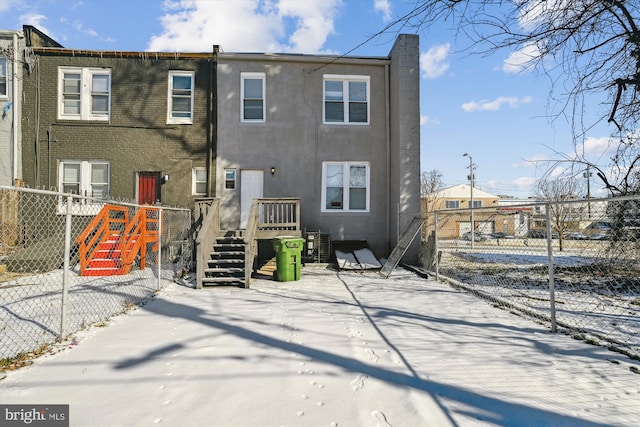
x=332 y=349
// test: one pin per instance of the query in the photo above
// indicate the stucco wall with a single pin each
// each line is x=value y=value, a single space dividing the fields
x=295 y=141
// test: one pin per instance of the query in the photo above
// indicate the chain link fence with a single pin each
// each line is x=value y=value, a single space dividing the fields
x=574 y=266
x=67 y=262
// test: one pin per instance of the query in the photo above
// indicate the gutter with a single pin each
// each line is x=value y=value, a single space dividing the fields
x=16 y=105
x=387 y=119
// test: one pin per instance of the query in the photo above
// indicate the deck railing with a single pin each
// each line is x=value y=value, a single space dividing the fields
x=206 y=236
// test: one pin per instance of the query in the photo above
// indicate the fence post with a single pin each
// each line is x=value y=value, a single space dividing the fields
x=159 y=248
x=65 y=269
x=552 y=294
x=435 y=244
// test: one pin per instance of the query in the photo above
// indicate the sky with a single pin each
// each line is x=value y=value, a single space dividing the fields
x=333 y=349
x=486 y=106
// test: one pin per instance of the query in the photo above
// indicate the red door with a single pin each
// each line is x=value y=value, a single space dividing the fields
x=148 y=188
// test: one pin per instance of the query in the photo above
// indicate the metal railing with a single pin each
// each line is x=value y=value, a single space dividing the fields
x=574 y=266
x=43 y=296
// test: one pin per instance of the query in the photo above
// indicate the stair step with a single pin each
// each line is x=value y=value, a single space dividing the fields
x=218 y=261
x=227 y=253
x=222 y=280
x=224 y=270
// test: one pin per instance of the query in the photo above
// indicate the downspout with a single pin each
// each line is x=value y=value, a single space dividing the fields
x=213 y=124
x=387 y=120
x=16 y=104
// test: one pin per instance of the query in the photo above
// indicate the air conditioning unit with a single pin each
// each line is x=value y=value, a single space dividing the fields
x=317 y=247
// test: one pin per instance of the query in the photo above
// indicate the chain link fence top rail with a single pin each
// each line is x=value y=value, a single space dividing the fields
x=572 y=265
x=63 y=262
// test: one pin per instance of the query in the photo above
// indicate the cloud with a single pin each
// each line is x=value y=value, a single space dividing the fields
x=521 y=60
x=596 y=147
x=80 y=28
x=10 y=4
x=384 y=7
x=37 y=20
x=433 y=62
x=246 y=25
x=496 y=104
x=426 y=120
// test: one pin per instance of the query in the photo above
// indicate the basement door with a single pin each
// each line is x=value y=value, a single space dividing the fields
x=148 y=188
x=251 y=187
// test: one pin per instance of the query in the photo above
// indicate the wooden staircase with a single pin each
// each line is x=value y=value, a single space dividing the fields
x=227 y=257
x=226 y=261
x=113 y=243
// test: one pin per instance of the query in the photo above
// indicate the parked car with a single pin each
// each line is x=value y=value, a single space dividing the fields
x=477 y=237
x=600 y=236
x=574 y=235
x=541 y=234
x=501 y=235
x=598 y=227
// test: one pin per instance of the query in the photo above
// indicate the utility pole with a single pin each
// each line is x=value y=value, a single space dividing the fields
x=473 y=234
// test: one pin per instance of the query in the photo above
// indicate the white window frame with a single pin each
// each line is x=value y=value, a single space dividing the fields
x=253 y=76
x=456 y=202
x=345 y=185
x=4 y=64
x=476 y=204
x=175 y=120
x=82 y=206
x=195 y=181
x=235 y=179
x=86 y=94
x=345 y=79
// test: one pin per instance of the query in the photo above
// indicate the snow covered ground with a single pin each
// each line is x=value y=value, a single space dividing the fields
x=333 y=349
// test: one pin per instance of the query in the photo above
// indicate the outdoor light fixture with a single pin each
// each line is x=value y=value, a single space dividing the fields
x=164 y=179
x=273 y=170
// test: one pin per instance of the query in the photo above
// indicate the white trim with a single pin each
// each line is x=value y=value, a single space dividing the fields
x=345 y=185
x=6 y=78
x=346 y=79
x=86 y=94
x=179 y=120
x=235 y=179
x=194 y=181
x=253 y=76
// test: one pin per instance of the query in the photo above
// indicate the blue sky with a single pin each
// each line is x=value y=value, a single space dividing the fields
x=486 y=106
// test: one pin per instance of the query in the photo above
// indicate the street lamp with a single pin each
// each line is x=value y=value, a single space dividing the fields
x=473 y=235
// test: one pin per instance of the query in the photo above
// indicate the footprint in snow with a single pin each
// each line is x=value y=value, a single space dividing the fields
x=358 y=382
x=382 y=419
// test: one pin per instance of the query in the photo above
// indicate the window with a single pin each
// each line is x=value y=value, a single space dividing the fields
x=180 y=99
x=3 y=77
x=229 y=179
x=345 y=187
x=452 y=204
x=476 y=204
x=253 y=104
x=346 y=99
x=84 y=93
x=199 y=182
x=86 y=178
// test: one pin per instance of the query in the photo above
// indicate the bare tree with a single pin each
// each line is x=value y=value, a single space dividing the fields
x=584 y=46
x=430 y=183
x=564 y=216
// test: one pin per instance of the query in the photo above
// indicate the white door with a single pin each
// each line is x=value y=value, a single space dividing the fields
x=251 y=182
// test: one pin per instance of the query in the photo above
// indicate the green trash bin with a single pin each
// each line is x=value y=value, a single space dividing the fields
x=288 y=257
